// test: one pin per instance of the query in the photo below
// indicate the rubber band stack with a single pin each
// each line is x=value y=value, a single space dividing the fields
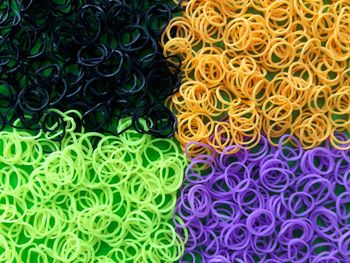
x=89 y=197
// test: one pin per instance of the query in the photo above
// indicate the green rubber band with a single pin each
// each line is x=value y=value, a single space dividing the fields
x=88 y=197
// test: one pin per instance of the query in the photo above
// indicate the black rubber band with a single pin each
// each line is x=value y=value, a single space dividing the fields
x=100 y=57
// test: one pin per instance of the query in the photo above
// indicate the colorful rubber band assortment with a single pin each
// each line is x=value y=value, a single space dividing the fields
x=255 y=92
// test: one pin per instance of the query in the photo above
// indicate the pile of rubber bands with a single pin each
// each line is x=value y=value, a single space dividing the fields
x=89 y=197
x=255 y=67
x=255 y=92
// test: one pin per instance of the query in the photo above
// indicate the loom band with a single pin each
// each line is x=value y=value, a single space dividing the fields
x=264 y=244
x=134 y=81
x=265 y=226
x=341 y=201
x=221 y=137
x=298 y=70
x=271 y=162
x=217 y=10
x=289 y=226
x=201 y=174
x=12 y=178
x=116 y=56
x=243 y=65
x=164 y=122
x=180 y=47
x=199 y=201
x=129 y=249
x=286 y=107
x=298 y=244
x=145 y=255
x=66 y=247
x=295 y=150
x=97 y=89
x=12 y=208
x=169 y=147
x=341 y=168
x=211 y=33
x=278 y=207
x=242 y=39
x=11 y=150
x=308 y=142
x=140 y=194
x=182 y=29
x=111 y=234
x=334 y=46
x=180 y=227
x=285 y=53
x=160 y=15
x=184 y=210
x=118 y=254
x=8 y=251
x=301 y=206
x=19 y=234
x=235 y=237
x=214 y=75
x=320 y=189
x=343 y=244
x=212 y=248
x=232 y=154
x=323 y=257
x=191 y=127
x=337 y=102
x=255 y=201
x=45 y=222
x=39 y=100
x=325 y=159
x=217 y=187
x=137 y=37
x=325 y=223
x=339 y=142
x=271 y=179
x=260 y=44
x=170 y=181
x=53 y=125
x=282 y=16
x=96 y=117
x=194 y=92
x=92 y=56
x=89 y=26
x=346 y=180
x=164 y=237
x=194 y=240
x=318 y=94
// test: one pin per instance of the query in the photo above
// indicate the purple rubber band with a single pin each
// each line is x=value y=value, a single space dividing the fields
x=269 y=204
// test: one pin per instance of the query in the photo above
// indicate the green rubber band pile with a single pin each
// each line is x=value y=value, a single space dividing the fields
x=88 y=198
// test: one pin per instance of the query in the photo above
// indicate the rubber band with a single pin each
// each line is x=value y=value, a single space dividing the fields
x=90 y=192
x=266 y=204
x=275 y=68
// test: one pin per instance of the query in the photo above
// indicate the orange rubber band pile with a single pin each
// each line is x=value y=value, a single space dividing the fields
x=252 y=67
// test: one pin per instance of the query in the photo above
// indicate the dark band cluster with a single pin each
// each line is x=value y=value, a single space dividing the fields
x=100 y=57
x=274 y=204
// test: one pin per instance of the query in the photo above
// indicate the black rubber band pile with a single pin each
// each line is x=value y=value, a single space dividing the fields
x=101 y=57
